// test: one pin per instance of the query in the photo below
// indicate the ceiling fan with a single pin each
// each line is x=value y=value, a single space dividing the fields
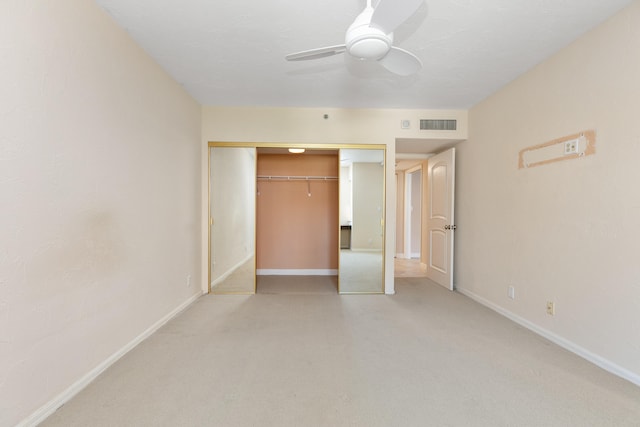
x=370 y=37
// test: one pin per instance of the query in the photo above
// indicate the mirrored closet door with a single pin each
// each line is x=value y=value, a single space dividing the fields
x=362 y=202
x=232 y=207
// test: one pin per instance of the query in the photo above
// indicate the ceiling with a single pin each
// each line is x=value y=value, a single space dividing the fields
x=231 y=52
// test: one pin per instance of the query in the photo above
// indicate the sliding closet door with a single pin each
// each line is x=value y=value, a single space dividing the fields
x=232 y=196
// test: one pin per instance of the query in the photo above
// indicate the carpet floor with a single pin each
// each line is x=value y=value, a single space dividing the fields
x=422 y=357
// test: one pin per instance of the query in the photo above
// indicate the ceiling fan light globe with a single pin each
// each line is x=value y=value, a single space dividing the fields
x=369 y=48
x=365 y=42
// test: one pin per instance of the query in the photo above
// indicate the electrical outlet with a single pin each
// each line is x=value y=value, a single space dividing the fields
x=511 y=292
x=571 y=146
x=551 y=308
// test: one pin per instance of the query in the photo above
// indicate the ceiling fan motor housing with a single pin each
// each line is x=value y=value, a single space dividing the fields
x=366 y=42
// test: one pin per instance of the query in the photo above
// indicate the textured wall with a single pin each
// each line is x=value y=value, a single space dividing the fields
x=564 y=232
x=100 y=189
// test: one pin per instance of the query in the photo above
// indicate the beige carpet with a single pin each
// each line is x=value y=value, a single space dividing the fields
x=423 y=357
x=298 y=285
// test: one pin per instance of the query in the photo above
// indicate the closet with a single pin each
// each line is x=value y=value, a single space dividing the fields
x=297 y=213
x=273 y=213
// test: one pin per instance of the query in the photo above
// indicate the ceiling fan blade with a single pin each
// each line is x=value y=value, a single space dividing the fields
x=316 y=53
x=389 y=14
x=401 y=62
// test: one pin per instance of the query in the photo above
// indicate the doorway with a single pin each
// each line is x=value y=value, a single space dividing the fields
x=410 y=247
x=437 y=188
x=297 y=221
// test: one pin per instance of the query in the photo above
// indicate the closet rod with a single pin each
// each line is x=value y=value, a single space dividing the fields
x=297 y=178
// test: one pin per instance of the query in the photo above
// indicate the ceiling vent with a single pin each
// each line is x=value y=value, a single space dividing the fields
x=438 y=124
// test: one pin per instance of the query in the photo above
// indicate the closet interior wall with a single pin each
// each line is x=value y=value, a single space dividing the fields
x=297 y=219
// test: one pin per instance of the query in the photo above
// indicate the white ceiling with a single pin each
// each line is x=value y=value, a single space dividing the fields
x=231 y=52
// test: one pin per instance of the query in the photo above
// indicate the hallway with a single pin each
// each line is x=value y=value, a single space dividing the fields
x=409 y=268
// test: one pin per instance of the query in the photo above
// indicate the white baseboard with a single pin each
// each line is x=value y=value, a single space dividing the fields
x=415 y=255
x=605 y=364
x=230 y=271
x=400 y=255
x=295 y=272
x=50 y=407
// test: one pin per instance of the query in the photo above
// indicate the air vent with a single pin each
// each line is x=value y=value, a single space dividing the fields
x=438 y=124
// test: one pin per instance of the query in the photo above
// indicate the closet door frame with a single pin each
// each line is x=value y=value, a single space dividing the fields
x=257 y=145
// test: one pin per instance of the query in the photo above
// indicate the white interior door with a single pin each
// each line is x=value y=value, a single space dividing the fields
x=440 y=218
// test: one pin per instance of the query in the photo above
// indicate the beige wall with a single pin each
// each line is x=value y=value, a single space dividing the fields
x=564 y=232
x=424 y=241
x=101 y=192
x=308 y=126
x=296 y=231
x=400 y=177
x=416 y=213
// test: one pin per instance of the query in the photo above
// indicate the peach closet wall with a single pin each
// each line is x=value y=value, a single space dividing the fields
x=295 y=231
